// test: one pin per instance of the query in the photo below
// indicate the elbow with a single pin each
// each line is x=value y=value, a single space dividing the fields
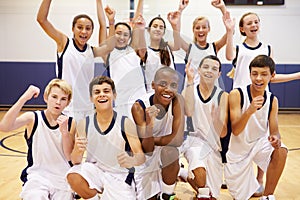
x=177 y=142
x=40 y=20
x=235 y=132
x=229 y=57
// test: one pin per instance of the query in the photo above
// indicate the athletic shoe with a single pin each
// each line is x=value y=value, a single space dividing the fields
x=259 y=192
x=164 y=196
x=269 y=197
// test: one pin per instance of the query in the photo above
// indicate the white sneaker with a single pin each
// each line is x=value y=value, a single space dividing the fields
x=203 y=193
x=271 y=197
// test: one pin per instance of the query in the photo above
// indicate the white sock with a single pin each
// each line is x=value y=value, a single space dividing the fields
x=183 y=173
x=168 y=189
x=203 y=192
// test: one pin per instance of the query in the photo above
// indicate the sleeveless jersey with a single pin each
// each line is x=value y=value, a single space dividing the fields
x=124 y=68
x=195 y=54
x=257 y=127
x=245 y=55
x=104 y=146
x=162 y=126
x=202 y=119
x=77 y=68
x=153 y=63
x=45 y=153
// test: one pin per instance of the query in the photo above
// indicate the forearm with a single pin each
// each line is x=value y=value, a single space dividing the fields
x=76 y=156
x=239 y=125
x=189 y=98
x=68 y=145
x=168 y=140
x=279 y=78
x=7 y=122
x=139 y=158
x=177 y=38
x=43 y=11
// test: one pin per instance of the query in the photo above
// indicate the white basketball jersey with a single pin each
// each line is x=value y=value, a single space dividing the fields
x=124 y=68
x=257 y=127
x=77 y=68
x=202 y=119
x=244 y=57
x=48 y=159
x=195 y=54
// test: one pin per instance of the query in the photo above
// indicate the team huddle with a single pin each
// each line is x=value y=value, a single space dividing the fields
x=121 y=135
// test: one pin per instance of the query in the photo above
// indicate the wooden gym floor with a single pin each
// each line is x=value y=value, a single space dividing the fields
x=13 y=160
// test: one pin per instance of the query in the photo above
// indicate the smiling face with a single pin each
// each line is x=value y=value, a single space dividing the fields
x=260 y=78
x=250 y=25
x=122 y=35
x=102 y=96
x=201 y=29
x=209 y=71
x=157 y=29
x=82 y=30
x=165 y=85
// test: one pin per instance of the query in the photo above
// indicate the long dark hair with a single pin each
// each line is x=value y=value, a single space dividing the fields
x=163 y=46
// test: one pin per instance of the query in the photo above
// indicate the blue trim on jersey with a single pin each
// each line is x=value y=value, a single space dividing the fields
x=130 y=176
x=78 y=49
x=210 y=96
x=252 y=48
x=24 y=174
x=111 y=125
x=60 y=60
x=250 y=97
x=47 y=122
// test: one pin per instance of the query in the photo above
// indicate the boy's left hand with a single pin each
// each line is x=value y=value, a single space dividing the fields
x=275 y=141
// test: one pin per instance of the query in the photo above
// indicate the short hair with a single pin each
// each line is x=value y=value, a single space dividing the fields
x=82 y=16
x=263 y=61
x=212 y=57
x=164 y=69
x=241 y=23
x=99 y=80
x=62 y=84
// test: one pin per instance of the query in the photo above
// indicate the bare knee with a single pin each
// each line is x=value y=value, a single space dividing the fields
x=170 y=156
x=80 y=186
x=200 y=176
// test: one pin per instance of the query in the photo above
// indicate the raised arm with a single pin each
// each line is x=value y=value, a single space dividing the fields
x=11 y=120
x=174 y=19
x=176 y=136
x=102 y=22
x=42 y=18
x=109 y=43
x=188 y=92
x=221 y=6
x=229 y=24
x=138 y=157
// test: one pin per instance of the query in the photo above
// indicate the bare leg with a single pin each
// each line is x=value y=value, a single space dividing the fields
x=275 y=169
x=170 y=162
x=199 y=180
x=81 y=186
